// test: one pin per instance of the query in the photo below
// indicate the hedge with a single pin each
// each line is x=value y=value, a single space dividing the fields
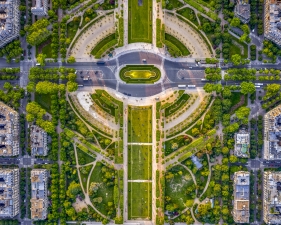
x=106 y=47
x=158 y=33
x=102 y=43
x=121 y=32
x=176 y=106
x=183 y=49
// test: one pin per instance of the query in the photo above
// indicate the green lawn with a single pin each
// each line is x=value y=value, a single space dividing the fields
x=234 y=49
x=173 y=4
x=104 y=191
x=84 y=158
x=139 y=162
x=176 y=187
x=189 y=14
x=177 y=105
x=140 y=21
x=139 y=124
x=176 y=143
x=139 y=200
x=140 y=74
x=43 y=100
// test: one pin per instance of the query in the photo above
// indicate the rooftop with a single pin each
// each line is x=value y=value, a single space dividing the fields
x=9 y=131
x=242 y=11
x=242 y=142
x=9 y=192
x=241 y=197
x=38 y=141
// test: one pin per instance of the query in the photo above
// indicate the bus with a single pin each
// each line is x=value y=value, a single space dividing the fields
x=258 y=84
x=100 y=62
x=181 y=86
x=80 y=85
x=191 y=86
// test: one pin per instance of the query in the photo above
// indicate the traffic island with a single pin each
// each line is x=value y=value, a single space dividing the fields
x=140 y=74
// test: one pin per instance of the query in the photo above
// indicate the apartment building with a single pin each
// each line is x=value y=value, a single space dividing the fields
x=272 y=197
x=39 y=200
x=272 y=134
x=9 y=21
x=242 y=144
x=9 y=131
x=241 y=193
x=272 y=21
x=38 y=141
x=9 y=193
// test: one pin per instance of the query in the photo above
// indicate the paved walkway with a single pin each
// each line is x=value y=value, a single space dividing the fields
x=139 y=181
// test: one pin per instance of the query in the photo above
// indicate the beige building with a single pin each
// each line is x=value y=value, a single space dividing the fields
x=9 y=193
x=9 y=131
x=241 y=193
x=272 y=197
x=272 y=134
x=39 y=200
x=272 y=21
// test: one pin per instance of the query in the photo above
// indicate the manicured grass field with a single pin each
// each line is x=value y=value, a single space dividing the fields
x=140 y=74
x=139 y=162
x=176 y=187
x=139 y=200
x=139 y=124
x=234 y=49
x=140 y=21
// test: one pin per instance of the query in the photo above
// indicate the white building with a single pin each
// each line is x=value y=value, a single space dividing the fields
x=38 y=141
x=40 y=8
x=242 y=143
x=272 y=197
x=272 y=134
x=241 y=193
x=9 y=21
x=9 y=193
x=9 y=131
x=39 y=200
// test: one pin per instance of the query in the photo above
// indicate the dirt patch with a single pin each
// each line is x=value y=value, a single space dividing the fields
x=79 y=205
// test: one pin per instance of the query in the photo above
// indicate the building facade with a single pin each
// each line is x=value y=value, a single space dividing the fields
x=272 y=197
x=9 y=131
x=9 y=193
x=40 y=8
x=272 y=21
x=272 y=134
x=241 y=186
x=38 y=141
x=9 y=21
x=39 y=200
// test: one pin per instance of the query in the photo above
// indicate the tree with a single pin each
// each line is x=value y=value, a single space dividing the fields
x=41 y=59
x=243 y=113
x=71 y=86
x=209 y=87
x=71 y=59
x=235 y=22
x=271 y=90
x=71 y=77
x=7 y=86
x=225 y=150
x=73 y=189
x=46 y=87
x=233 y=159
x=247 y=88
x=30 y=87
x=236 y=59
x=195 y=132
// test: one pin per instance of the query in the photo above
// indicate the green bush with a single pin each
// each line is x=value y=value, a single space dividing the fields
x=181 y=47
